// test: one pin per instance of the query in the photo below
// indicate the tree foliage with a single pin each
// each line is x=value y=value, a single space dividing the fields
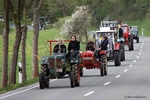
x=78 y=23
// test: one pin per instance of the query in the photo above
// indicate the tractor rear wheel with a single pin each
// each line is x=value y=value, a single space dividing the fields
x=122 y=52
x=41 y=81
x=76 y=71
x=104 y=60
x=137 y=40
x=117 y=58
x=72 y=83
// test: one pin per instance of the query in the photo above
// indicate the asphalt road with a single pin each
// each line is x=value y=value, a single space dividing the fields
x=130 y=81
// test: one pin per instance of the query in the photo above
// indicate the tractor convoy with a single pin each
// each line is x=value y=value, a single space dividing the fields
x=57 y=65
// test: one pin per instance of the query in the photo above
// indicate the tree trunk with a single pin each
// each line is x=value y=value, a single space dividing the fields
x=35 y=71
x=5 y=43
x=14 y=58
x=23 y=53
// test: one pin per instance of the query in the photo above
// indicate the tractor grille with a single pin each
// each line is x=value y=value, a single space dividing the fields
x=56 y=62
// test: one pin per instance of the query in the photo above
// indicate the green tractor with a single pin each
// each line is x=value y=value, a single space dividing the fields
x=57 y=66
x=134 y=32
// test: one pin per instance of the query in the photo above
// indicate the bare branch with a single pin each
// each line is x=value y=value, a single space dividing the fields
x=39 y=6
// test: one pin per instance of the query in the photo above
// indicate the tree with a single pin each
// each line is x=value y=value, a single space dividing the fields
x=17 y=14
x=36 y=9
x=78 y=24
x=24 y=35
x=5 y=43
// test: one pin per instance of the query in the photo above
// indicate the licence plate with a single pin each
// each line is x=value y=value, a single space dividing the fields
x=59 y=70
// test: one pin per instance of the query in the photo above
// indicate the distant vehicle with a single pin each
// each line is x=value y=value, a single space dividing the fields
x=1 y=18
x=112 y=24
x=127 y=36
x=134 y=32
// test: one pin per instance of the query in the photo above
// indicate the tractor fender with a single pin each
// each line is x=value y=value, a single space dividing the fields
x=117 y=46
x=103 y=52
x=44 y=60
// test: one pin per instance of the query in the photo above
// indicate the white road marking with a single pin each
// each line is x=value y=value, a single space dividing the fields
x=134 y=61
x=23 y=90
x=89 y=93
x=130 y=66
x=118 y=76
x=141 y=47
x=141 y=50
x=107 y=83
x=139 y=53
x=125 y=70
x=137 y=57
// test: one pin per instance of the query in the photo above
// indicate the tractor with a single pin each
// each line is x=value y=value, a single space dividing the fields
x=57 y=66
x=116 y=49
x=128 y=38
x=134 y=32
x=89 y=61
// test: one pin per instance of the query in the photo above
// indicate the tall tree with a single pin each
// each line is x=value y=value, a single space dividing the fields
x=24 y=35
x=17 y=16
x=5 y=43
x=36 y=11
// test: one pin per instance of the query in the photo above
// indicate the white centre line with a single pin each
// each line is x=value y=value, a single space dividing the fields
x=89 y=93
x=139 y=53
x=134 y=61
x=141 y=50
x=125 y=70
x=118 y=76
x=141 y=47
x=107 y=83
x=137 y=57
x=130 y=66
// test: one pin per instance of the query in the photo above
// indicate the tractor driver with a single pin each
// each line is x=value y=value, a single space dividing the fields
x=74 y=45
x=90 y=45
x=120 y=31
x=60 y=46
x=103 y=46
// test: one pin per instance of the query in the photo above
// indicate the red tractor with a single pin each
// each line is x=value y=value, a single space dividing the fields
x=90 y=62
x=128 y=38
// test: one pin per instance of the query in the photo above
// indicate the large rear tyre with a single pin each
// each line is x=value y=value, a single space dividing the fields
x=41 y=83
x=122 y=52
x=72 y=83
x=104 y=60
x=137 y=40
x=130 y=40
x=76 y=71
x=117 y=58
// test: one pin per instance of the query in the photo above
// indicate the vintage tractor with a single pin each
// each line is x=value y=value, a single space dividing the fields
x=89 y=61
x=128 y=38
x=134 y=32
x=115 y=50
x=56 y=66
